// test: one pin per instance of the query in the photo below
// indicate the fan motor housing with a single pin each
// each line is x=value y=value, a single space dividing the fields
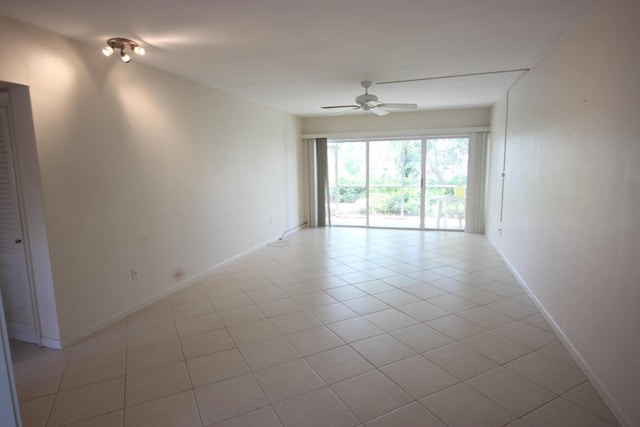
x=366 y=98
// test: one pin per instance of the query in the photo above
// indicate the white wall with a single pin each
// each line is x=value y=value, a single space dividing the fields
x=144 y=169
x=369 y=123
x=571 y=227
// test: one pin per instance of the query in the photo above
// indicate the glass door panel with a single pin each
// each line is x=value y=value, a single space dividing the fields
x=446 y=183
x=394 y=183
x=347 y=164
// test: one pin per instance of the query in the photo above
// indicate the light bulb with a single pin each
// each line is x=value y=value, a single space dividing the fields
x=107 y=50
x=125 y=58
x=139 y=50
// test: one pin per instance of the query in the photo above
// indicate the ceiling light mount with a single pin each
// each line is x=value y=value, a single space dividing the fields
x=123 y=45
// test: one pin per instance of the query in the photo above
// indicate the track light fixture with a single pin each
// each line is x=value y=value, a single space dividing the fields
x=122 y=44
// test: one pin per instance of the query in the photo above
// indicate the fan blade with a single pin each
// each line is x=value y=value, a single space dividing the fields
x=341 y=106
x=373 y=104
x=346 y=111
x=399 y=106
x=379 y=111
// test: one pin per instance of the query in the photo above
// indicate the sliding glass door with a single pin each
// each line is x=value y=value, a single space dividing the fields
x=398 y=183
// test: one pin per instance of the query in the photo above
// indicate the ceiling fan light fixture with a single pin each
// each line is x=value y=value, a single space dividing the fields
x=124 y=45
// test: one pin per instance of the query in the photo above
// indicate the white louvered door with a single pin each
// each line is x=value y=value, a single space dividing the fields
x=14 y=277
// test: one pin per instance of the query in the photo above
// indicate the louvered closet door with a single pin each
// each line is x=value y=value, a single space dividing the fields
x=14 y=279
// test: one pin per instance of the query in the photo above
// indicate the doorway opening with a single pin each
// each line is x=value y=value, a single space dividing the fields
x=415 y=183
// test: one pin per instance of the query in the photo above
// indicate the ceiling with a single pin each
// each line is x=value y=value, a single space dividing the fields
x=299 y=55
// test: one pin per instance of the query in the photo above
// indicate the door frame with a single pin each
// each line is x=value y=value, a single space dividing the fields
x=29 y=189
x=423 y=186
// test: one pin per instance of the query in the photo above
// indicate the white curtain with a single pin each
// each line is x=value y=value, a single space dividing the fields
x=474 y=215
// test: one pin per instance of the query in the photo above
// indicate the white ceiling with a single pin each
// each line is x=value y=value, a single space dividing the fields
x=298 y=55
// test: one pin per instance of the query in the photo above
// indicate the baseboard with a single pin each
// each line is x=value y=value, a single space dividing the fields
x=586 y=369
x=65 y=342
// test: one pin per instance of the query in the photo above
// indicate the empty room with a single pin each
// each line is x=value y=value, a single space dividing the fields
x=285 y=213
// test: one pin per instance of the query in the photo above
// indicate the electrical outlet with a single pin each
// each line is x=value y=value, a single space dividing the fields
x=135 y=274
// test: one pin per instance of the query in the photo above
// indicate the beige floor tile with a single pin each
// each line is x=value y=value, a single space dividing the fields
x=354 y=329
x=229 y=398
x=298 y=289
x=40 y=382
x=112 y=419
x=290 y=379
x=423 y=311
x=461 y=406
x=374 y=287
x=538 y=321
x=266 y=294
x=199 y=324
x=151 y=356
x=228 y=302
x=496 y=347
x=319 y=408
x=558 y=351
x=332 y=313
x=560 y=413
x=251 y=332
x=452 y=303
x=152 y=334
x=421 y=338
x=586 y=397
x=412 y=415
x=370 y=395
x=456 y=327
x=516 y=394
x=149 y=316
x=314 y=340
x=185 y=311
x=315 y=299
x=418 y=376
x=96 y=369
x=423 y=291
x=526 y=334
x=269 y=352
x=256 y=284
x=98 y=345
x=215 y=367
x=241 y=315
x=264 y=417
x=513 y=308
x=206 y=343
x=175 y=410
x=157 y=382
x=295 y=322
x=460 y=361
x=188 y=295
x=338 y=364
x=502 y=289
x=397 y=297
x=279 y=307
x=547 y=372
x=391 y=319
x=382 y=350
x=366 y=305
x=32 y=357
x=478 y=296
x=35 y=412
x=87 y=402
x=344 y=293
x=486 y=318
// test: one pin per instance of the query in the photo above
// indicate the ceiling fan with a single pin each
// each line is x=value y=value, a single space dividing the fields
x=369 y=102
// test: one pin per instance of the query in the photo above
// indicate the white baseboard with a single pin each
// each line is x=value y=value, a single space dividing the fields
x=586 y=369
x=70 y=340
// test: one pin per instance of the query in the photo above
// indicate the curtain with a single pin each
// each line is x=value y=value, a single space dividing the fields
x=319 y=214
x=474 y=215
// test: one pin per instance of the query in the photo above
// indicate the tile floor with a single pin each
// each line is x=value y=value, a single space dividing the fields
x=341 y=327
